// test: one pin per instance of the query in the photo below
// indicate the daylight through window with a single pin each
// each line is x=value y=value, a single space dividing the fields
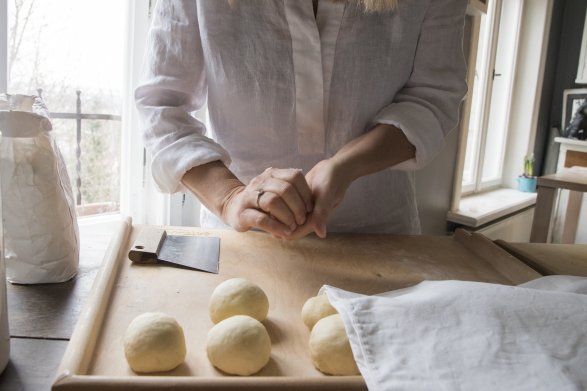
x=71 y=52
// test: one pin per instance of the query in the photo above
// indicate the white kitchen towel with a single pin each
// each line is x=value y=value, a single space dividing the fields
x=571 y=284
x=458 y=335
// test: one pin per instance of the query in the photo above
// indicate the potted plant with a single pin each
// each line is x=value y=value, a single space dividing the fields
x=527 y=181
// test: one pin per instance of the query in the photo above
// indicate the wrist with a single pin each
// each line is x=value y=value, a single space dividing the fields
x=224 y=208
x=214 y=185
x=342 y=170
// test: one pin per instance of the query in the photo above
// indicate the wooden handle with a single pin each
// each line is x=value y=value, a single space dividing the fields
x=147 y=245
x=80 y=348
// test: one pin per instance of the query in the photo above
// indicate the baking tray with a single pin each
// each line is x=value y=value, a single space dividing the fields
x=289 y=272
x=550 y=258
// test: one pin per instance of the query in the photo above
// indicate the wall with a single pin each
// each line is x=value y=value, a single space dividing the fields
x=434 y=188
x=512 y=229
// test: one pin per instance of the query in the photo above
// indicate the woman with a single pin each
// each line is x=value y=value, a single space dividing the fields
x=355 y=94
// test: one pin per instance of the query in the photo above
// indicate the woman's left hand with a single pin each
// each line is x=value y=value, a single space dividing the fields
x=328 y=183
x=381 y=147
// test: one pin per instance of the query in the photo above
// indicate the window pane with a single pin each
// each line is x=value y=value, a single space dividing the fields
x=475 y=120
x=64 y=46
x=501 y=91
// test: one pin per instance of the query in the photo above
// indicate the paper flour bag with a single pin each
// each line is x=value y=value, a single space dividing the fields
x=41 y=235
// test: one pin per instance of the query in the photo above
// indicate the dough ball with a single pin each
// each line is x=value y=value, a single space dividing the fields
x=316 y=308
x=330 y=348
x=238 y=296
x=154 y=342
x=239 y=345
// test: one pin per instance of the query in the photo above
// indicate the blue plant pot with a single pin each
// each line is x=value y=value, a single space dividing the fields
x=527 y=184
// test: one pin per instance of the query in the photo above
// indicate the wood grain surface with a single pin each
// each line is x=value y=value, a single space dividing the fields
x=42 y=317
x=51 y=310
x=32 y=364
x=290 y=273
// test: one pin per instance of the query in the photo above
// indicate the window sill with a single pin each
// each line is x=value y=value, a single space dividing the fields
x=479 y=209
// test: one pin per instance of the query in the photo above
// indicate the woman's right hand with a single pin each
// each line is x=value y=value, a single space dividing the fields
x=276 y=201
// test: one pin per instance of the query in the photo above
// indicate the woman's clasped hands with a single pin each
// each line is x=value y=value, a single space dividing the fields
x=286 y=203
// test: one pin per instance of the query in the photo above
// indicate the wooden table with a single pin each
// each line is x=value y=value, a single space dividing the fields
x=547 y=187
x=42 y=317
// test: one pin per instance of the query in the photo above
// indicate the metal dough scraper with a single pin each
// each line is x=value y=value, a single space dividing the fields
x=153 y=245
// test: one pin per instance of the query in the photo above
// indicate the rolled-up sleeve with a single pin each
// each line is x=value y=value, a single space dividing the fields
x=426 y=109
x=173 y=86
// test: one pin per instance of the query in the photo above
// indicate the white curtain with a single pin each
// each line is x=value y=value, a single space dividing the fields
x=140 y=198
x=3 y=46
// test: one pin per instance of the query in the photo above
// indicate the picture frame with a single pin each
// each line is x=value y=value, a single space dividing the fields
x=572 y=100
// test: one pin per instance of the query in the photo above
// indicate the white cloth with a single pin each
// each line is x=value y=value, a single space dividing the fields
x=456 y=335
x=287 y=89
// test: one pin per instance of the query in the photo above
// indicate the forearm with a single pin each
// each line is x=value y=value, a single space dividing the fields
x=382 y=147
x=213 y=183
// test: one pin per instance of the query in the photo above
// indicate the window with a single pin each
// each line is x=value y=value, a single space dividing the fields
x=3 y=45
x=507 y=56
x=71 y=53
x=495 y=71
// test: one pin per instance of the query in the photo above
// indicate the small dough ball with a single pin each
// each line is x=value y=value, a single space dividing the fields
x=154 y=342
x=316 y=308
x=239 y=345
x=330 y=348
x=238 y=296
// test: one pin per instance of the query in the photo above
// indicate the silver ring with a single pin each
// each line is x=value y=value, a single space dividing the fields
x=259 y=194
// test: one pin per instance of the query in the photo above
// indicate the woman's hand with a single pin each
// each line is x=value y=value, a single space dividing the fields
x=329 y=183
x=277 y=201
x=382 y=147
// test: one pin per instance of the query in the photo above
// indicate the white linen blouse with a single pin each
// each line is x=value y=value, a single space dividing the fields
x=287 y=88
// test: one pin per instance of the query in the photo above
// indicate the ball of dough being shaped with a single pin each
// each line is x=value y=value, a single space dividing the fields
x=239 y=345
x=316 y=308
x=154 y=342
x=330 y=348
x=238 y=296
